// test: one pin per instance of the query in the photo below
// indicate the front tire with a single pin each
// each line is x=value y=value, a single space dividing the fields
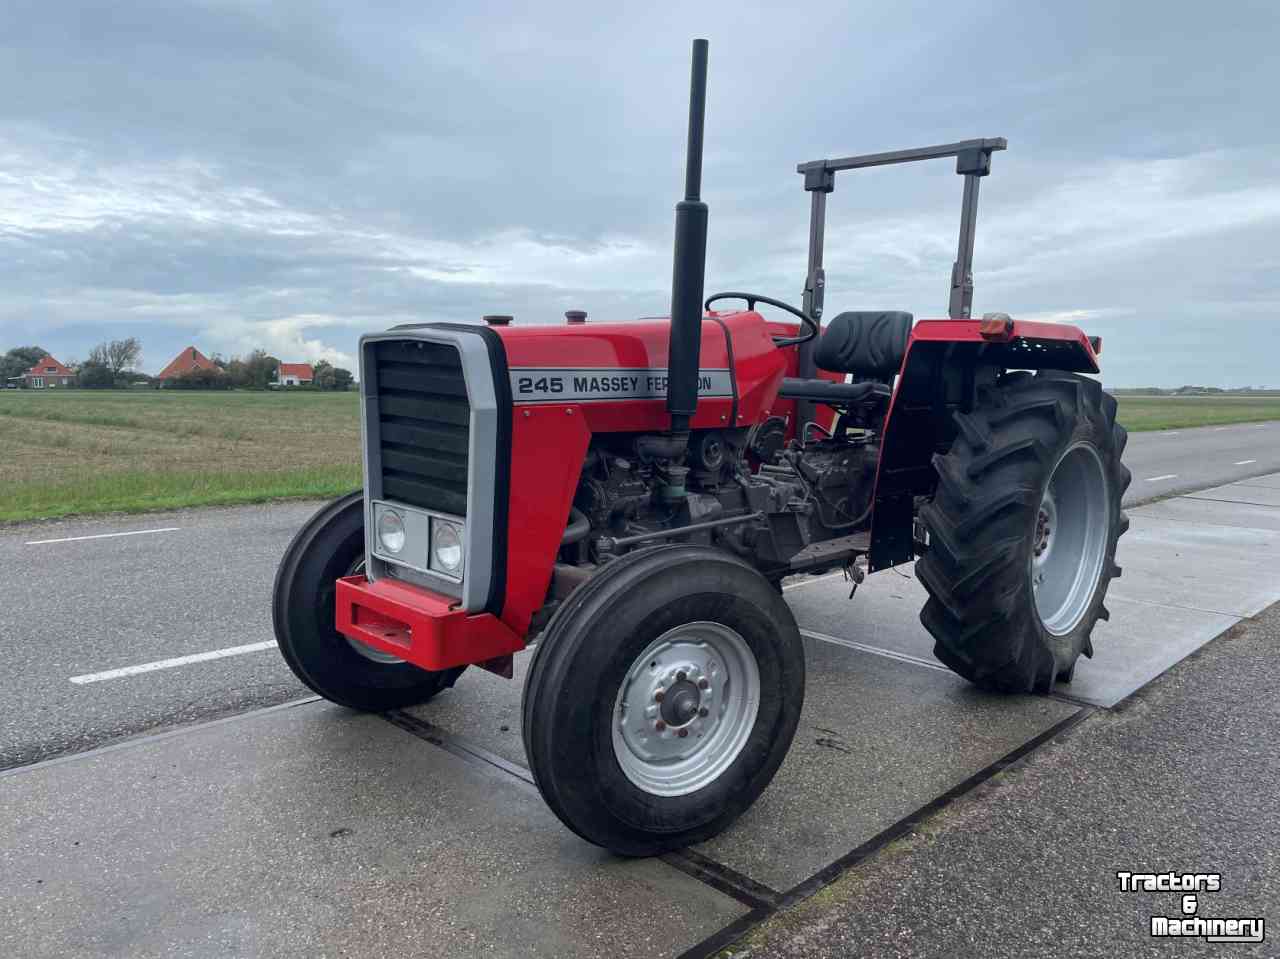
x=662 y=699
x=329 y=546
x=1023 y=531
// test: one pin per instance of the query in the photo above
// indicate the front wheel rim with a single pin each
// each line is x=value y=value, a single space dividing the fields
x=1069 y=542
x=685 y=709
x=364 y=649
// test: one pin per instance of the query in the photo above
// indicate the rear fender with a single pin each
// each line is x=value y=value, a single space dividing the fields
x=946 y=362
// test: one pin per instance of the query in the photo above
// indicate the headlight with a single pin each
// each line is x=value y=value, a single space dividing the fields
x=391 y=535
x=446 y=547
x=419 y=540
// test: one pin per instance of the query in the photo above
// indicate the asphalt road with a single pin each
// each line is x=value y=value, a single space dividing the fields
x=1178 y=461
x=76 y=607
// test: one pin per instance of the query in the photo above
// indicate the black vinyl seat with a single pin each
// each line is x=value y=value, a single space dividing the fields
x=871 y=343
x=829 y=393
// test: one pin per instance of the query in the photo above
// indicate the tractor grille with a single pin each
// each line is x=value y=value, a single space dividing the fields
x=424 y=424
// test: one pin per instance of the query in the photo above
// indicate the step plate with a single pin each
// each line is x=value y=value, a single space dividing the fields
x=832 y=550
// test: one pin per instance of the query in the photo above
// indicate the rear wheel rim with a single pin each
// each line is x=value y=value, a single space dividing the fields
x=1069 y=541
x=686 y=708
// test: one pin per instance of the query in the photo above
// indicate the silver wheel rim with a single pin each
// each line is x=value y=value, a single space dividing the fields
x=1069 y=541
x=686 y=708
x=364 y=649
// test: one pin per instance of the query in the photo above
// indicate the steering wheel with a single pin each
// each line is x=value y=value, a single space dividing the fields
x=810 y=326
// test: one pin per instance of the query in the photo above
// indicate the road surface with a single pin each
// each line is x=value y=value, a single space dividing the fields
x=96 y=612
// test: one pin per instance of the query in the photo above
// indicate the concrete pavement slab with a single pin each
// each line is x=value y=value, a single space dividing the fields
x=1140 y=642
x=484 y=709
x=877 y=740
x=1191 y=570
x=1204 y=557
x=1270 y=481
x=1184 y=509
x=885 y=611
x=315 y=831
x=1240 y=493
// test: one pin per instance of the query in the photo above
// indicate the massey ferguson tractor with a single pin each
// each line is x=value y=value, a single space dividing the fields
x=630 y=496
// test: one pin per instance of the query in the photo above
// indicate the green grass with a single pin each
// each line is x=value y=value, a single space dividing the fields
x=1139 y=413
x=82 y=452
x=140 y=492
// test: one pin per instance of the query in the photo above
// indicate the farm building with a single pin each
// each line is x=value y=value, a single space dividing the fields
x=46 y=375
x=294 y=374
x=188 y=361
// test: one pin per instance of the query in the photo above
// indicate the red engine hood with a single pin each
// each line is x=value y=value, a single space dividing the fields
x=617 y=371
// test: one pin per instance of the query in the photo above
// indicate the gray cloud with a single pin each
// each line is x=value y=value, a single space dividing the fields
x=285 y=175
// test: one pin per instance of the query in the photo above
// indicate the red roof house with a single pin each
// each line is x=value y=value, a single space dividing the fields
x=188 y=361
x=46 y=374
x=294 y=374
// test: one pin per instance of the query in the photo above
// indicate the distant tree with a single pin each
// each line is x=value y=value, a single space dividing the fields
x=238 y=373
x=20 y=359
x=95 y=376
x=260 y=368
x=219 y=361
x=326 y=376
x=322 y=375
x=201 y=380
x=117 y=355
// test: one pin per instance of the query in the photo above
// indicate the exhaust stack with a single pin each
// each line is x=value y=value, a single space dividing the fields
x=690 y=260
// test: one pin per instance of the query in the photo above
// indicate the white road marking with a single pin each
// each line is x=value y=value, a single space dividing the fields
x=810 y=582
x=73 y=539
x=1162 y=476
x=170 y=663
x=1245 y=462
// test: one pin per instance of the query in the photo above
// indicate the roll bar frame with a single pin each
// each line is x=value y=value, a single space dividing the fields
x=973 y=161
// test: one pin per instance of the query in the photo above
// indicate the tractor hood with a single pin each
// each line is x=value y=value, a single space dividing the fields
x=626 y=363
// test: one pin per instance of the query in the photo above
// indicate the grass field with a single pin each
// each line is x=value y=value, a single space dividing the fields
x=94 y=452
x=79 y=452
x=1175 y=412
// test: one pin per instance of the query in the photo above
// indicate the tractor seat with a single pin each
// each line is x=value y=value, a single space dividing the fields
x=831 y=394
x=866 y=344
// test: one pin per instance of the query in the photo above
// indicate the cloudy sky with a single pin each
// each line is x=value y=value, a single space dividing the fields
x=290 y=175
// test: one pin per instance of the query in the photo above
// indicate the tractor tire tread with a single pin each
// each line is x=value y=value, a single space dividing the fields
x=979 y=609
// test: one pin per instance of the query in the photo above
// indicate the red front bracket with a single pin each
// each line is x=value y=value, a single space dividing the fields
x=418 y=626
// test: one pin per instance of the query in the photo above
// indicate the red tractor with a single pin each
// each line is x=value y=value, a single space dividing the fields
x=631 y=496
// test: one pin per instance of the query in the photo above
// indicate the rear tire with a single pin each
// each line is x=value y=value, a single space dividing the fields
x=662 y=699
x=1023 y=531
x=329 y=546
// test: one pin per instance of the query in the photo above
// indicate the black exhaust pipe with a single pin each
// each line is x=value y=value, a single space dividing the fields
x=690 y=262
